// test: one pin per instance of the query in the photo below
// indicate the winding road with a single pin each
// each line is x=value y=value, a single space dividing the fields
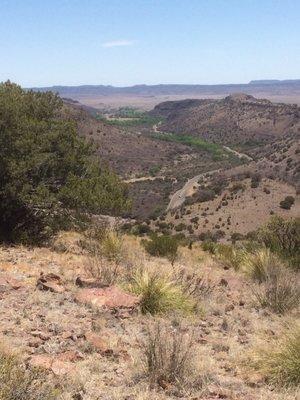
x=187 y=190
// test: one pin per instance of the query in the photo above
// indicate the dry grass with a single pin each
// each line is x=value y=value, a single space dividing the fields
x=169 y=355
x=279 y=361
x=19 y=383
x=280 y=291
x=107 y=273
x=67 y=242
x=194 y=284
x=194 y=277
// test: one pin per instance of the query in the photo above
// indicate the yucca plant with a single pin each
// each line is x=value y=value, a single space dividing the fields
x=259 y=264
x=112 y=246
x=159 y=293
x=279 y=362
x=230 y=255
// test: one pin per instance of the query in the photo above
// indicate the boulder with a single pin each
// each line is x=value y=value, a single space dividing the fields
x=9 y=283
x=112 y=298
x=60 y=364
x=98 y=342
x=84 y=282
x=50 y=282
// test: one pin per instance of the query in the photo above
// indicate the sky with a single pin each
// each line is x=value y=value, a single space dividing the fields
x=128 y=42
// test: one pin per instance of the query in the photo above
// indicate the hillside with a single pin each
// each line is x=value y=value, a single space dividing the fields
x=93 y=340
x=156 y=165
x=153 y=167
x=238 y=119
x=193 y=293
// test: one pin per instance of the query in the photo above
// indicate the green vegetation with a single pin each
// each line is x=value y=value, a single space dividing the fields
x=214 y=149
x=19 y=383
x=162 y=246
x=283 y=238
x=230 y=256
x=154 y=170
x=279 y=362
x=287 y=203
x=127 y=117
x=49 y=176
x=159 y=293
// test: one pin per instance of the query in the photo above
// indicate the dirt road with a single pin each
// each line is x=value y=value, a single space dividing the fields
x=236 y=153
x=188 y=189
x=190 y=186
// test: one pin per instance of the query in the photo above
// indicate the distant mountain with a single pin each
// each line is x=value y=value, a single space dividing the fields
x=272 y=86
x=275 y=82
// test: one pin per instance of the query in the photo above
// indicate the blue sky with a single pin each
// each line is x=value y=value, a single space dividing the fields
x=126 y=42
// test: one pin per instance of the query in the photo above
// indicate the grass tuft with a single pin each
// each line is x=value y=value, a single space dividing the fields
x=19 y=383
x=259 y=264
x=168 y=356
x=159 y=293
x=279 y=362
x=280 y=291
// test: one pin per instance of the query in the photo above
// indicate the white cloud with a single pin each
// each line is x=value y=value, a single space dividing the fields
x=118 y=43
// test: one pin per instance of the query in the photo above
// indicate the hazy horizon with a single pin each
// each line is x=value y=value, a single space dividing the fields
x=175 y=84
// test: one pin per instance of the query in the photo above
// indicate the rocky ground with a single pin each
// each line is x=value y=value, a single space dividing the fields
x=90 y=340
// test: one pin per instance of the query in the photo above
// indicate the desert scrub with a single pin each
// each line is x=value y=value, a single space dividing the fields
x=283 y=238
x=209 y=246
x=193 y=284
x=280 y=291
x=287 y=202
x=105 y=272
x=230 y=256
x=159 y=293
x=162 y=246
x=112 y=246
x=107 y=257
x=259 y=264
x=279 y=362
x=19 y=383
x=168 y=356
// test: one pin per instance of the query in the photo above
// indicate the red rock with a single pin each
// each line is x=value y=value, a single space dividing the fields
x=61 y=367
x=98 y=342
x=88 y=282
x=50 y=282
x=60 y=364
x=110 y=297
x=71 y=356
x=35 y=342
x=42 y=335
x=9 y=283
x=41 y=361
x=67 y=335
